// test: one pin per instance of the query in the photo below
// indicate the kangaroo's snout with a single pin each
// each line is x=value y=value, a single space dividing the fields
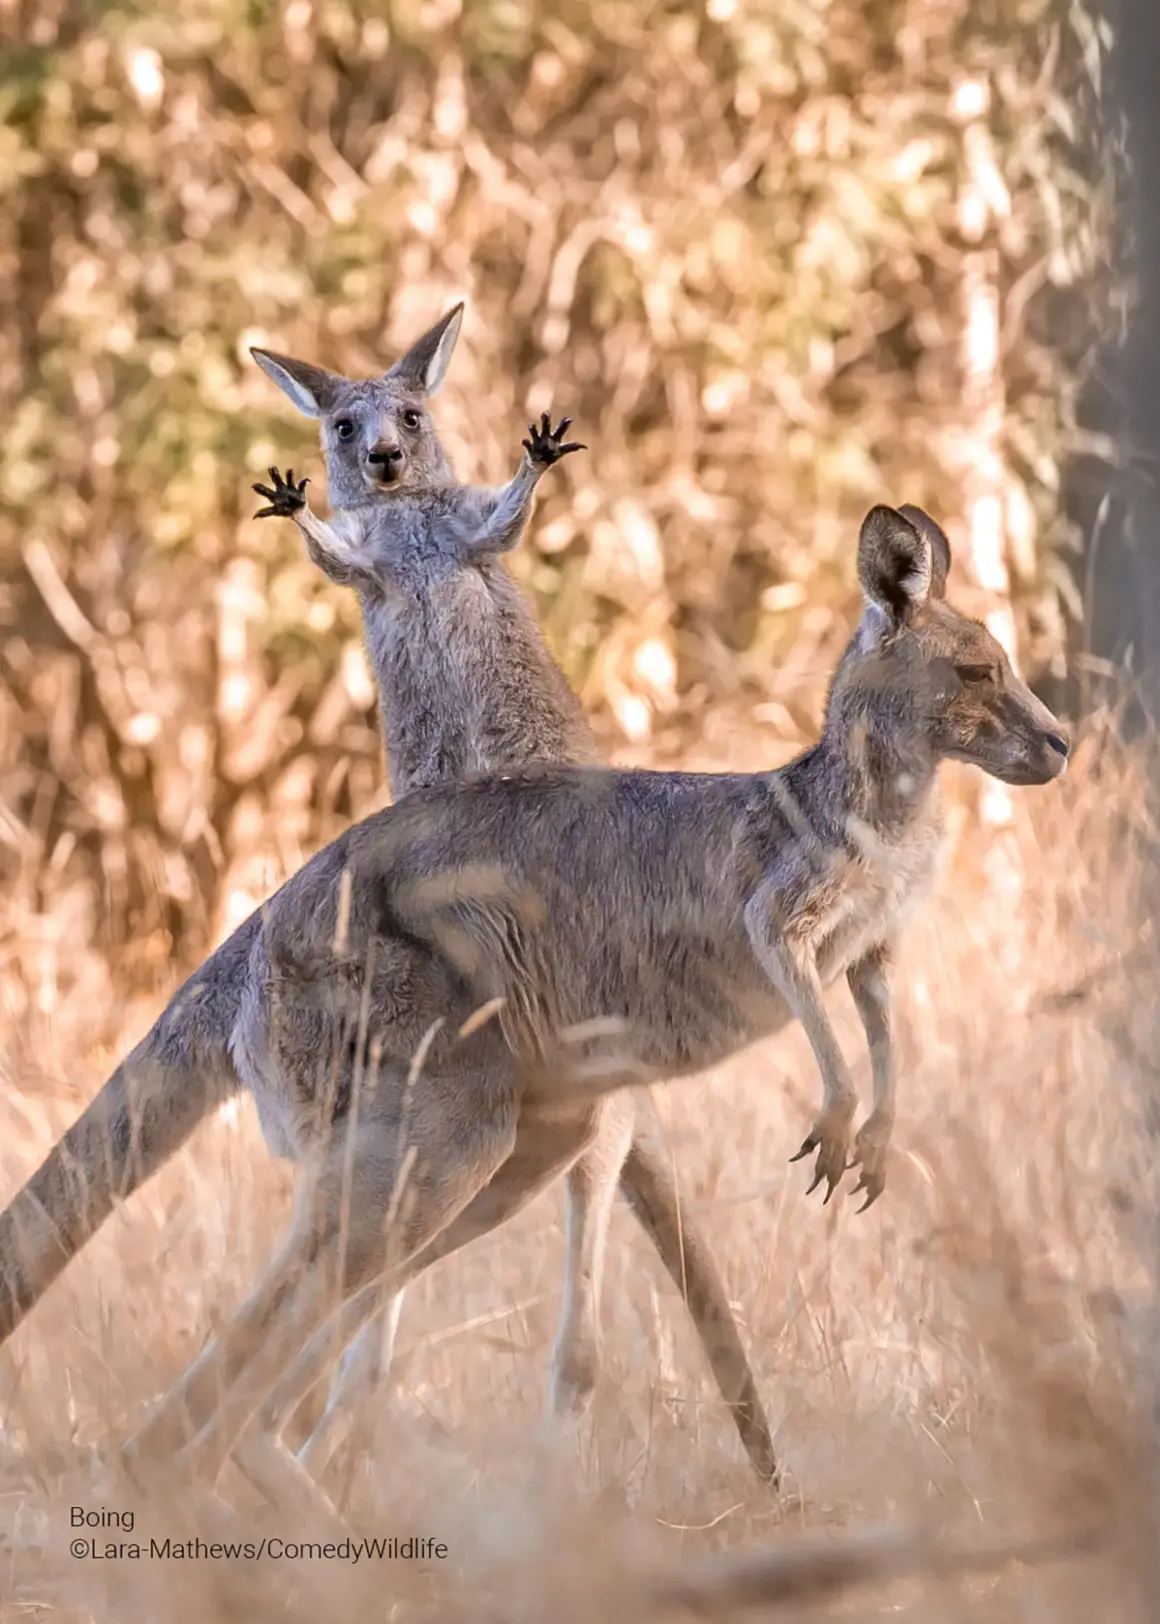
x=1041 y=744
x=1055 y=749
x=385 y=461
x=1054 y=745
x=1046 y=760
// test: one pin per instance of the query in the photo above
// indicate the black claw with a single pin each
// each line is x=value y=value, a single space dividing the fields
x=284 y=495
x=808 y=1144
x=817 y=1179
x=544 y=445
x=873 y=1187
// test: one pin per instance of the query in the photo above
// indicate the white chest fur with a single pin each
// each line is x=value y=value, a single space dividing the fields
x=871 y=892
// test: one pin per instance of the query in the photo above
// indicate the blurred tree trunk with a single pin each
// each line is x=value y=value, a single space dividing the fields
x=1125 y=608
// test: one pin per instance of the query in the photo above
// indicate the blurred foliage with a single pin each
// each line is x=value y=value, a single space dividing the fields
x=723 y=236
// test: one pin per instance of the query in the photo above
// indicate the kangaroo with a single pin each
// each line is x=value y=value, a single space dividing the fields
x=184 y=1068
x=466 y=684
x=489 y=957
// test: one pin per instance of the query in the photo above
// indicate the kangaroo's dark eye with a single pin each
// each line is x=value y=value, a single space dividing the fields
x=344 y=428
x=974 y=673
x=411 y=420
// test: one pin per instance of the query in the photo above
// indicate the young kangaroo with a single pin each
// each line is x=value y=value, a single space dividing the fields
x=558 y=932
x=466 y=684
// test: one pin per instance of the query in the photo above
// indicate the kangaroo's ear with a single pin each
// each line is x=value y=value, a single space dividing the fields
x=940 y=547
x=310 y=388
x=895 y=564
x=425 y=364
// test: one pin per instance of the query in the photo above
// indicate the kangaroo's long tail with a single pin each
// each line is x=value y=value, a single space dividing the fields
x=648 y=1186
x=175 y=1077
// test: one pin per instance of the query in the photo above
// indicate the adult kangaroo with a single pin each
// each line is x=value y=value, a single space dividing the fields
x=468 y=971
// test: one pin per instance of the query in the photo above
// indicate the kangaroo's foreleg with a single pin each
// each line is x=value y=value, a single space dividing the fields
x=336 y=547
x=504 y=513
x=789 y=964
x=869 y=983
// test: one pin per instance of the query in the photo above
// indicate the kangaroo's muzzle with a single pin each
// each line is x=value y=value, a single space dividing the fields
x=385 y=463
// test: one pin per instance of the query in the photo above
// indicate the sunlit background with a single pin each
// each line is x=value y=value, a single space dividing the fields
x=779 y=260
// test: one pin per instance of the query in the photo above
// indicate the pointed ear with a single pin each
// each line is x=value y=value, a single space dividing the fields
x=425 y=364
x=895 y=567
x=310 y=388
x=940 y=547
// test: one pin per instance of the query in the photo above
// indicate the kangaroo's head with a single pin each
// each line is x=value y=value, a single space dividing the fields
x=927 y=681
x=377 y=434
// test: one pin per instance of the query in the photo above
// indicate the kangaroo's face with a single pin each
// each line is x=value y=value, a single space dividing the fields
x=379 y=439
x=983 y=714
x=931 y=677
x=377 y=433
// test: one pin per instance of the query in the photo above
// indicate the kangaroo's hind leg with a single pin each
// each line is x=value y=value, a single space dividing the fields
x=543 y=1150
x=376 y=1201
x=590 y=1189
x=361 y=1374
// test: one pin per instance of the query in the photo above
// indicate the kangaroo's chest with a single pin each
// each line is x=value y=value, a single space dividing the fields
x=428 y=672
x=870 y=894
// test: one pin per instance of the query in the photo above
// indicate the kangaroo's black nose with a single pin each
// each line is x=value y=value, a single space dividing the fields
x=1059 y=744
x=386 y=455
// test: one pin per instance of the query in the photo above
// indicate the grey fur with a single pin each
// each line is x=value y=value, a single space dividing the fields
x=466 y=684
x=619 y=927
x=184 y=1067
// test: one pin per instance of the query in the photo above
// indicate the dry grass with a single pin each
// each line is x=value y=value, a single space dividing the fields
x=960 y=1362
x=728 y=238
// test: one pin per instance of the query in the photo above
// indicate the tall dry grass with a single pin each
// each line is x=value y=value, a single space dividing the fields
x=968 y=1361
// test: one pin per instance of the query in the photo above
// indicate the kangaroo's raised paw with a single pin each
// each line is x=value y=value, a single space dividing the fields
x=545 y=444
x=284 y=496
x=830 y=1137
